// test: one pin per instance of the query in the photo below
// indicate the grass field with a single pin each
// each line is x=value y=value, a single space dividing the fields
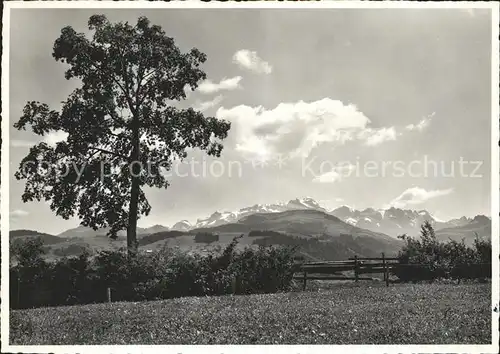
x=364 y=313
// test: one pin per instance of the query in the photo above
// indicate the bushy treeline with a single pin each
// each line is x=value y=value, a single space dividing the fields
x=166 y=273
x=205 y=237
x=265 y=233
x=426 y=258
x=159 y=236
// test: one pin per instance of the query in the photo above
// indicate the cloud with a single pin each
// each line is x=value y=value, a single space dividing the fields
x=373 y=137
x=328 y=177
x=424 y=123
x=187 y=90
x=51 y=139
x=417 y=195
x=336 y=174
x=295 y=129
x=18 y=213
x=225 y=84
x=54 y=137
x=22 y=143
x=251 y=61
x=203 y=106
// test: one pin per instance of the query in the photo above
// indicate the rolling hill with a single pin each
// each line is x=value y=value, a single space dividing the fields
x=47 y=239
x=87 y=232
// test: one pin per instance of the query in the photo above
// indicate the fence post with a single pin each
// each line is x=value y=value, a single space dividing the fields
x=383 y=265
x=18 y=289
x=305 y=280
x=386 y=270
x=109 y=294
x=356 y=265
x=234 y=285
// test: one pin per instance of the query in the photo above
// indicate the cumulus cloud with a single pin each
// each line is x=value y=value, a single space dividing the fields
x=251 y=61
x=295 y=129
x=18 y=213
x=374 y=137
x=207 y=86
x=424 y=123
x=417 y=195
x=187 y=90
x=328 y=177
x=54 y=137
x=203 y=106
x=50 y=139
x=336 y=174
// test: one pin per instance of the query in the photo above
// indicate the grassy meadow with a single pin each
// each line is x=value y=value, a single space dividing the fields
x=364 y=313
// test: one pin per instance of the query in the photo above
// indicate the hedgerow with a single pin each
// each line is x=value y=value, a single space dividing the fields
x=167 y=273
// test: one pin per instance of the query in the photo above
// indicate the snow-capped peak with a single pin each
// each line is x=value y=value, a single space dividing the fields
x=304 y=203
x=223 y=217
x=345 y=208
x=182 y=225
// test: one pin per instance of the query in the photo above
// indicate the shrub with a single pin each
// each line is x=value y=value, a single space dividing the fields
x=265 y=270
x=428 y=259
x=30 y=273
x=71 y=275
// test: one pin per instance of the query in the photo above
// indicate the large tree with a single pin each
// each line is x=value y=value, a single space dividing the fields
x=121 y=127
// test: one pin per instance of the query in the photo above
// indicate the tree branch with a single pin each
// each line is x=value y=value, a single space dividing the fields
x=125 y=92
x=108 y=152
x=149 y=74
x=119 y=136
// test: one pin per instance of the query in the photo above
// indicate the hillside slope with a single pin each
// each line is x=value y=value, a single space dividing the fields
x=22 y=235
x=480 y=226
x=318 y=234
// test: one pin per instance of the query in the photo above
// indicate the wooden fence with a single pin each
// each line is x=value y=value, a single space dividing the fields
x=331 y=270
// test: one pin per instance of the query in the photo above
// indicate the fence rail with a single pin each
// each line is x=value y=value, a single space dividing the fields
x=374 y=259
x=360 y=266
x=331 y=270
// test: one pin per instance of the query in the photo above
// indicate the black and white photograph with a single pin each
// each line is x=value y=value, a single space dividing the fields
x=274 y=176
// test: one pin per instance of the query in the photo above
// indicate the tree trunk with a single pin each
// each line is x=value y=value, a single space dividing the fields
x=135 y=168
x=132 y=218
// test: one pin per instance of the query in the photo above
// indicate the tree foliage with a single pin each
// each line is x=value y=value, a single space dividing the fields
x=28 y=253
x=426 y=258
x=121 y=127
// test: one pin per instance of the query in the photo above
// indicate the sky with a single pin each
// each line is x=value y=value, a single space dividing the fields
x=358 y=107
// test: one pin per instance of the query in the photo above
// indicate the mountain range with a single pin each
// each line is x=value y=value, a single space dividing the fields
x=391 y=221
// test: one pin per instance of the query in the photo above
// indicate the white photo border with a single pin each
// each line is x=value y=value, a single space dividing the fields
x=274 y=349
